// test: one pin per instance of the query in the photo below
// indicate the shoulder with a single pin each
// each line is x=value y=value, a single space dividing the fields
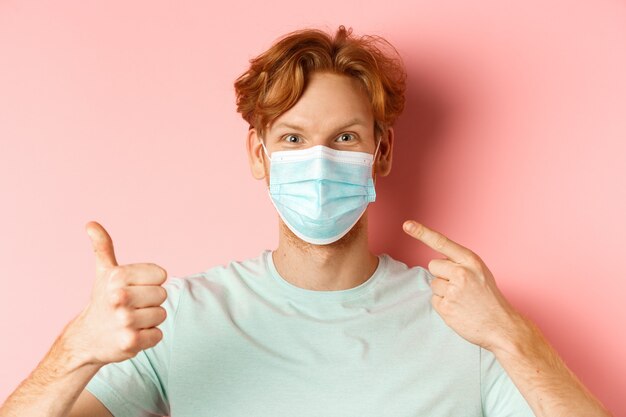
x=409 y=288
x=398 y=272
x=216 y=280
x=402 y=285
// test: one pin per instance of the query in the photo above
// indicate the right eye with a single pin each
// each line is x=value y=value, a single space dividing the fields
x=292 y=139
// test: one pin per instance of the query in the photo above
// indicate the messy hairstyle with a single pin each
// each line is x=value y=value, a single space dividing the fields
x=278 y=77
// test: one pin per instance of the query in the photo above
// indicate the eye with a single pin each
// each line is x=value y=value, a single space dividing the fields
x=345 y=137
x=292 y=139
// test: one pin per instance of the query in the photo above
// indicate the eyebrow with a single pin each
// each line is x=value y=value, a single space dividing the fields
x=353 y=122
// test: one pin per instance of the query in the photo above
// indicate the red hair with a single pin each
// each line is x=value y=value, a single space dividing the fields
x=277 y=78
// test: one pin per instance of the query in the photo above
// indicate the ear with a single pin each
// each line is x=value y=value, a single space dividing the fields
x=256 y=156
x=385 y=151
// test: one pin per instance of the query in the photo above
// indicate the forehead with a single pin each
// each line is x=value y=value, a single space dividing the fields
x=328 y=101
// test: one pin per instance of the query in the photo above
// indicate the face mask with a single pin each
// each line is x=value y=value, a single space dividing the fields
x=319 y=192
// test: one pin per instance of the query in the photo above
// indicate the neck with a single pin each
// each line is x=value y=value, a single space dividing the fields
x=341 y=265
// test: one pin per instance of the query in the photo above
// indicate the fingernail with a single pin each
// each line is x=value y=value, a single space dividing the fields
x=409 y=227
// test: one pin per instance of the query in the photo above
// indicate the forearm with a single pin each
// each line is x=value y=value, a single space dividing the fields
x=542 y=377
x=54 y=385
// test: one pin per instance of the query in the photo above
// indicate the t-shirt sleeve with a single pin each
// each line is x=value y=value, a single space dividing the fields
x=500 y=396
x=137 y=387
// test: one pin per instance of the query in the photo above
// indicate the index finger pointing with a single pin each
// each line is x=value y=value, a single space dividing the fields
x=437 y=241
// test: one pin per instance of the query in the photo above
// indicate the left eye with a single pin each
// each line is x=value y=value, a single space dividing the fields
x=345 y=137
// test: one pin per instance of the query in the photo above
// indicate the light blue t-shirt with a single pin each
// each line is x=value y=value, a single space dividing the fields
x=241 y=341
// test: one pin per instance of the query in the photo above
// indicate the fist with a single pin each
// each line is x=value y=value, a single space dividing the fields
x=124 y=309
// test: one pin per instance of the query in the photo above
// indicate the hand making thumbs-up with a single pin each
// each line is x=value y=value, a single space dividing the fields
x=124 y=310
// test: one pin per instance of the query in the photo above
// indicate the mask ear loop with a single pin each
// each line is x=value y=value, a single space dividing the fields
x=375 y=152
x=265 y=149
x=380 y=138
x=266 y=153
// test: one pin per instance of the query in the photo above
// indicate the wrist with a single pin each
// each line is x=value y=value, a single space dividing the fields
x=73 y=349
x=518 y=334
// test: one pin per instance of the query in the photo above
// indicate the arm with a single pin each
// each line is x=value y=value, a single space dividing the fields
x=542 y=377
x=119 y=322
x=54 y=385
x=465 y=295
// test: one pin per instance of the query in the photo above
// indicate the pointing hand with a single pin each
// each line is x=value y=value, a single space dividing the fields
x=464 y=291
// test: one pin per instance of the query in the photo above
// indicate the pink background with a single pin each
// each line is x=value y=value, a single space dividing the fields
x=512 y=144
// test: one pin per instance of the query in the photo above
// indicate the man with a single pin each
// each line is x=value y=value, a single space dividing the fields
x=320 y=326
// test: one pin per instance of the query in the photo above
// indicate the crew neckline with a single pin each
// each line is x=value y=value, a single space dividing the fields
x=307 y=295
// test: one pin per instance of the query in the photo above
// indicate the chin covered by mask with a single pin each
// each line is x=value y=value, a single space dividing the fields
x=319 y=192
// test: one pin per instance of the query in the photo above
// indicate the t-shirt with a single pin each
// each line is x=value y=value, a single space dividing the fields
x=239 y=340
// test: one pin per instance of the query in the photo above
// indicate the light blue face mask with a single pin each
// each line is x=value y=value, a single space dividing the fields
x=319 y=192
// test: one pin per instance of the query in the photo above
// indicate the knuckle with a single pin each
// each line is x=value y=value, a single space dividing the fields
x=117 y=276
x=474 y=261
x=461 y=273
x=119 y=297
x=124 y=317
x=440 y=242
x=452 y=292
x=129 y=341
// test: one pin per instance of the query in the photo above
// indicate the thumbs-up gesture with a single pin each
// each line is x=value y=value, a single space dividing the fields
x=465 y=293
x=124 y=310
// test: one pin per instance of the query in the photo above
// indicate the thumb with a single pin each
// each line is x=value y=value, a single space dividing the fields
x=102 y=245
